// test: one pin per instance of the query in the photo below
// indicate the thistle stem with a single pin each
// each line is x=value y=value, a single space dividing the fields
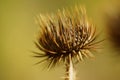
x=70 y=75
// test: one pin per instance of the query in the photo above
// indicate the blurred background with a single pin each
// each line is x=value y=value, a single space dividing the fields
x=18 y=30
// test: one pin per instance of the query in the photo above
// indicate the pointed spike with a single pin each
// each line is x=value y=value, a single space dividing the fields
x=80 y=55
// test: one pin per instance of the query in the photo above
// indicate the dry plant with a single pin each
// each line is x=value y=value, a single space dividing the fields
x=66 y=37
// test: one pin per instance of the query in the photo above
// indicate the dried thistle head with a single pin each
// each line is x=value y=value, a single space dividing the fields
x=68 y=34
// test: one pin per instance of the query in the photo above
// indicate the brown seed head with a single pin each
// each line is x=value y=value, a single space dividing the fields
x=68 y=33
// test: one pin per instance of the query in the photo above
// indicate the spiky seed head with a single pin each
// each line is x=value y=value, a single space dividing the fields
x=67 y=33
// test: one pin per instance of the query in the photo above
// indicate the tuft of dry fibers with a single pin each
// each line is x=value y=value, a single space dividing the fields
x=66 y=37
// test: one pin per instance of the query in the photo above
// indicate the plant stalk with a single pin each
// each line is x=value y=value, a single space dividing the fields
x=70 y=75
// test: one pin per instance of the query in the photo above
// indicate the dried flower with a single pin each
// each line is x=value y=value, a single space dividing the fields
x=66 y=37
x=66 y=34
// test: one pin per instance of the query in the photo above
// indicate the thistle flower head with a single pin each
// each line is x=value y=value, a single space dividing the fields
x=66 y=35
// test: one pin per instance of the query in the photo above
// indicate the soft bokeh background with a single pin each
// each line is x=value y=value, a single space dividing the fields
x=18 y=31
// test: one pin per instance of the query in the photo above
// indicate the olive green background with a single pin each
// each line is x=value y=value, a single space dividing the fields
x=18 y=31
